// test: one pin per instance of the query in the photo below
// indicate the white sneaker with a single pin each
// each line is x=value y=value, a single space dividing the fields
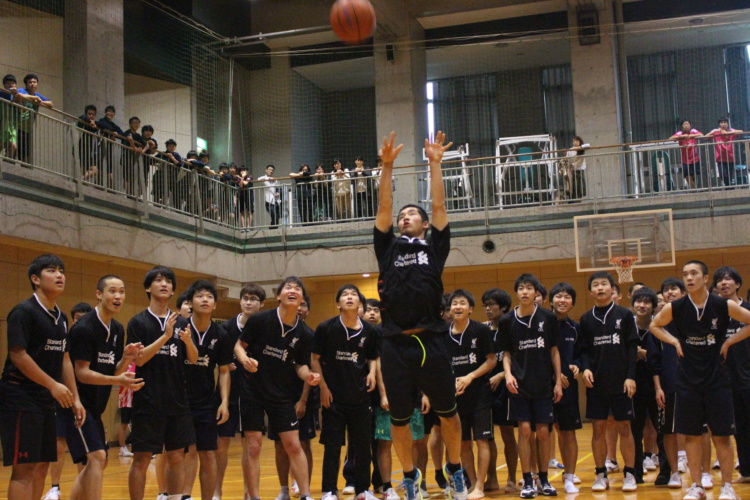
x=124 y=452
x=611 y=466
x=707 y=481
x=329 y=495
x=716 y=465
x=52 y=494
x=390 y=494
x=675 y=481
x=162 y=496
x=570 y=486
x=348 y=490
x=682 y=465
x=366 y=495
x=425 y=493
x=576 y=479
x=629 y=484
x=283 y=495
x=294 y=489
x=648 y=464
x=601 y=483
x=695 y=492
x=728 y=493
x=554 y=464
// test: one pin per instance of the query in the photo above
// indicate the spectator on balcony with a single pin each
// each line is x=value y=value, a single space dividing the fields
x=303 y=190
x=361 y=189
x=246 y=198
x=724 y=150
x=165 y=178
x=88 y=144
x=131 y=157
x=31 y=99
x=687 y=138
x=572 y=169
x=224 y=192
x=111 y=131
x=272 y=196
x=321 y=194
x=9 y=118
x=342 y=190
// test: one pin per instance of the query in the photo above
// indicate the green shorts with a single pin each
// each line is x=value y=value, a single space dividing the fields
x=9 y=133
x=383 y=425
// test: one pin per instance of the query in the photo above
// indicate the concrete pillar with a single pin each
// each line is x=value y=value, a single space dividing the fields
x=93 y=57
x=400 y=79
x=596 y=97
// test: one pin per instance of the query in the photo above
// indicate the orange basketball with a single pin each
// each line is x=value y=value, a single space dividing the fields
x=353 y=20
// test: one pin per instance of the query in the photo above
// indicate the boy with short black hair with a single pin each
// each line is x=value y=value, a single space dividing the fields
x=345 y=354
x=728 y=282
x=496 y=303
x=37 y=373
x=643 y=302
x=209 y=401
x=608 y=355
x=567 y=413
x=472 y=358
x=275 y=348
x=161 y=415
x=100 y=360
x=704 y=394
x=532 y=374
x=9 y=117
x=252 y=300
x=413 y=354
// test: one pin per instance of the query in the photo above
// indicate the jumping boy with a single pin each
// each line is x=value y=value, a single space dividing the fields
x=413 y=353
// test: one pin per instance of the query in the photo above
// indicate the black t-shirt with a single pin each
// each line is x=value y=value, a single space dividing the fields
x=137 y=138
x=102 y=347
x=468 y=351
x=109 y=126
x=344 y=357
x=410 y=284
x=501 y=392
x=644 y=375
x=233 y=332
x=44 y=336
x=567 y=339
x=609 y=347
x=277 y=348
x=663 y=361
x=738 y=357
x=701 y=335
x=530 y=340
x=163 y=391
x=214 y=349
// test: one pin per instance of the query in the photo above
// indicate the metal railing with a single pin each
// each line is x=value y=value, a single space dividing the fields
x=60 y=145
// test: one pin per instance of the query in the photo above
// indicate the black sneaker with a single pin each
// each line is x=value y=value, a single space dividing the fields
x=548 y=491
x=528 y=491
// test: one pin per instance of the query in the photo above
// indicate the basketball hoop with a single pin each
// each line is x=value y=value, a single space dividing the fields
x=624 y=267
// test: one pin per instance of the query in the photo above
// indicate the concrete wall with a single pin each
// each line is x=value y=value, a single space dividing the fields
x=164 y=105
x=32 y=42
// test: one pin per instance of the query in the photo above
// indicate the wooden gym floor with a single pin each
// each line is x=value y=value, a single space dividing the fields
x=116 y=477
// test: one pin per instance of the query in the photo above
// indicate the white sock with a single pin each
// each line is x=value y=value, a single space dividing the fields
x=682 y=453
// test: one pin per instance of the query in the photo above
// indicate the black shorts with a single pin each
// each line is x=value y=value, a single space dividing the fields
x=337 y=420
x=693 y=409
x=537 y=411
x=666 y=416
x=206 y=434
x=60 y=425
x=691 y=169
x=500 y=409
x=411 y=362
x=88 y=438
x=568 y=417
x=430 y=419
x=477 y=425
x=281 y=415
x=232 y=425
x=151 y=432
x=306 y=428
x=601 y=406
x=126 y=415
x=27 y=437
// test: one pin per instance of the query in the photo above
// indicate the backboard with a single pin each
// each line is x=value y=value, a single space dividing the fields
x=647 y=235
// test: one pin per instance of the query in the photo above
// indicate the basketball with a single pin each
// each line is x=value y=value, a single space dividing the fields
x=353 y=21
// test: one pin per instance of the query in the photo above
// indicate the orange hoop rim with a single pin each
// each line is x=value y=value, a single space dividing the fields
x=623 y=261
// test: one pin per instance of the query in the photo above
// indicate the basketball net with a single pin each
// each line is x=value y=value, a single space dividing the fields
x=624 y=267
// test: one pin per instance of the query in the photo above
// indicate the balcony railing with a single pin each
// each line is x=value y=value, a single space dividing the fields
x=153 y=183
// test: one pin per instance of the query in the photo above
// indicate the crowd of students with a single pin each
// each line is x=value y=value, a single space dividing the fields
x=425 y=369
